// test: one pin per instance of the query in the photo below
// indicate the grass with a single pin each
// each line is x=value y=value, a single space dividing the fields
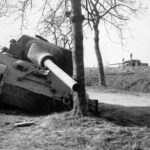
x=109 y=131
x=137 y=79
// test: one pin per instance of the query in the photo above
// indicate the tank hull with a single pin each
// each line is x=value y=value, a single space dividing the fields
x=31 y=101
x=23 y=84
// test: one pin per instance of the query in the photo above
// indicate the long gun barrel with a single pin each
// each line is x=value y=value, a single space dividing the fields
x=43 y=58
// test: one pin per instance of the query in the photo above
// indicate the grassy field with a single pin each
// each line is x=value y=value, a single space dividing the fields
x=61 y=132
x=129 y=79
x=114 y=128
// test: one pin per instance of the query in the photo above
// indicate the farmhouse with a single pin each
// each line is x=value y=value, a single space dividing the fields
x=134 y=62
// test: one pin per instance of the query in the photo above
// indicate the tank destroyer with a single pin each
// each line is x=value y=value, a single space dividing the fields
x=36 y=75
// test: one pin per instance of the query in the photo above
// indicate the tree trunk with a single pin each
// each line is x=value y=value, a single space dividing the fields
x=99 y=57
x=80 y=107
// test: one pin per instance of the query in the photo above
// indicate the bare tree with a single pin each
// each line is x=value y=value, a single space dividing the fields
x=110 y=13
x=80 y=107
x=60 y=25
x=114 y=13
x=55 y=24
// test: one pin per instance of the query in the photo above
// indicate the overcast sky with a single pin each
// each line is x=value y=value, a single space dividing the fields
x=138 y=45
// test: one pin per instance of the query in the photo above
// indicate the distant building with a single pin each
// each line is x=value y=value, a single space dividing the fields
x=134 y=62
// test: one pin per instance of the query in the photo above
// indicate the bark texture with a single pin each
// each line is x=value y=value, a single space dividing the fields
x=99 y=57
x=80 y=107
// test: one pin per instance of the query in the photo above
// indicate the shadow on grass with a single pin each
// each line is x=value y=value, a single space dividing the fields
x=120 y=115
x=125 y=116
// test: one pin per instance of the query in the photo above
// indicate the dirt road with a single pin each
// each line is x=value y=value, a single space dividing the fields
x=122 y=107
x=123 y=99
